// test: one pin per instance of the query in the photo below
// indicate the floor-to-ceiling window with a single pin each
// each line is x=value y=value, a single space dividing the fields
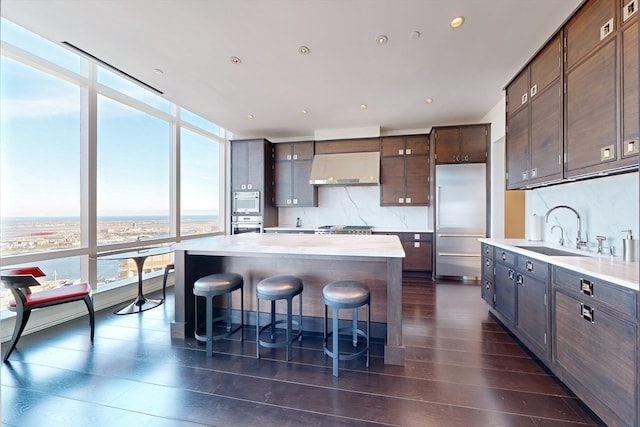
x=92 y=162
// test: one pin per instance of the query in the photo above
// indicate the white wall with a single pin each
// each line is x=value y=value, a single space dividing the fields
x=356 y=205
x=606 y=205
x=497 y=168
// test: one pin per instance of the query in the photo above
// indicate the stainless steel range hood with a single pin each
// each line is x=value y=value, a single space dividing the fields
x=346 y=169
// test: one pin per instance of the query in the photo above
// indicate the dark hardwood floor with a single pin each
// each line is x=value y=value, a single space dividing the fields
x=462 y=369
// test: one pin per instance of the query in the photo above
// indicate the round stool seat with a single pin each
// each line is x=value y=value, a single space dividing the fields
x=217 y=284
x=279 y=287
x=345 y=294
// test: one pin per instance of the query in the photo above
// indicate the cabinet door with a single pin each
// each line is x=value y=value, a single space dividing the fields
x=592 y=24
x=283 y=182
x=256 y=164
x=302 y=151
x=597 y=352
x=447 y=145
x=393 y=146
x=417 y=255
x=504 y=289
x=473 y=143
x=546 y=67
x=282 y=152
x=591 y=113
x=416 y=145
x=518 y=92
x=517 y=149
x=239 y=165
x=546 y=135
x=417 y=179
x=303 y=193
x=392 y=181
x=532 y=312
x=629 y=37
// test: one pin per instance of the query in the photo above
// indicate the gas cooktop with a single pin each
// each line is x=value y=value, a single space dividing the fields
x=344 y=229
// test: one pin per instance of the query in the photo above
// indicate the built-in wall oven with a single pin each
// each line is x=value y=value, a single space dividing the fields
x=246 y=202
x=246 y=224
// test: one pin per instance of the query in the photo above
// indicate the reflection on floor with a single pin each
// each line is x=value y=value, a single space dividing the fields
x=462 y=369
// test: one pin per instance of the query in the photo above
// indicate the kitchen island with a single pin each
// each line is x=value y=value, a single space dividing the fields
x=375 y=260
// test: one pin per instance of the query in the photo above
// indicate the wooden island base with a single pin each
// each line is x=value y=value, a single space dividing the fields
x=318 y=260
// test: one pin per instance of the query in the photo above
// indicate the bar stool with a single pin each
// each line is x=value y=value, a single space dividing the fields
x=276 y=288
x=209 y=287
x=167 y=268
x=339 y=295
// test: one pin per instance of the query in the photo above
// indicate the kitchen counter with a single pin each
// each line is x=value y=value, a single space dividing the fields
x=291 y=229
x=376 y=260
x=605 y=267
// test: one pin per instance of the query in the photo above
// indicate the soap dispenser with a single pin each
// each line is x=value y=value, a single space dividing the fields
x=628 y=247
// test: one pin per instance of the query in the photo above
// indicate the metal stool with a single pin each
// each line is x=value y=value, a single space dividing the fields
x=345 y=294
x=272 y=289
x=167 y=268
x=209 y=287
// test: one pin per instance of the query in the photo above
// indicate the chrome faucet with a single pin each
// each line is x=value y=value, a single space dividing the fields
x=561 y=241
x=579 y=242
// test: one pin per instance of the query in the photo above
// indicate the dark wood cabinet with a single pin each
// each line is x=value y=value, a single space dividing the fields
x=461 y=144
x=487 y=292
x=629 y=80
x=532 y=313
x=417 y=248
x=596 y=344
x=404 y=170
x=292 y=167
x=534 y=120
x=504 y=286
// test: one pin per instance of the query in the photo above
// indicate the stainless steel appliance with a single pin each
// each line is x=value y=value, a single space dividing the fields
x=246 y=224
x=245 y=202
x=344 y=229
x=460 y=219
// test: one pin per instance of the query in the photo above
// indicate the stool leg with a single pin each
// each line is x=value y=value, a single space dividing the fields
x=368 y=331
x=241 y=314
x=300 y=317
x=228 y=312
x=355 y=327
x=289 y=328
x=336 y=353
x=258 y=328
x=209 y=323
x=273 y=319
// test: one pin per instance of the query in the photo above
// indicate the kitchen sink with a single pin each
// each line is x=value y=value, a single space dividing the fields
x=545 y=250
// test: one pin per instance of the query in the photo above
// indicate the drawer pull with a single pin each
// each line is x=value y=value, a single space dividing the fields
x=510 y=274
x=586 y=286
x=520 y=279
x=529 y=266
x=587 y=313
x=504 y=256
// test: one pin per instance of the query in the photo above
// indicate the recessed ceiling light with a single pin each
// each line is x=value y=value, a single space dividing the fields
x=414 y=34
x=303 y=50
x=457 y=21
x=381 y=39
x=363 y=106
x=428 y=100
x=249 y=116
x=303 y=111
x=235 y=60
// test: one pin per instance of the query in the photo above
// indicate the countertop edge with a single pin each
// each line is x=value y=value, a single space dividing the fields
x=604 y=267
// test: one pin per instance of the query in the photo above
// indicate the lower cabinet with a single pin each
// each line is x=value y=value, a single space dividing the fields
x=585 y=330
x=596 y=344
x=417 y=249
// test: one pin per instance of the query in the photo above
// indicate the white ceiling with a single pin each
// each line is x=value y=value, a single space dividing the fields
x=463 y=70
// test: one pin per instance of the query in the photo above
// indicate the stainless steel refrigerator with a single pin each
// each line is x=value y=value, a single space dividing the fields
x=460 y=219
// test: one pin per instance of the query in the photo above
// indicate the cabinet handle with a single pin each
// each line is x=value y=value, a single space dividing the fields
x=400 y=200
x=400 y=152
x=407 y=151
x=504 y=256
x=529 y=266
x=525 y=175
x=586 y=287
x=407 y=200
x=243 y=186
x=487 y=263
x=523 y=99
x=587 y=313
x=520 y=279
x=631 y=146
x=534 y=90
x=295 y=157
x=466 y=157
x=295 y=201
x=606 y=29
x=486 y=250
x=487 y=285
x=510 y=274
x=416 y=244
x=288 y=156
x=249 y=186
x=534 y=172
x=288 y=201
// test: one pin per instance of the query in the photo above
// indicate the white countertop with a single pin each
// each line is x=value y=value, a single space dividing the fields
x=247 y=244
x=605 y=267
x=375 y=229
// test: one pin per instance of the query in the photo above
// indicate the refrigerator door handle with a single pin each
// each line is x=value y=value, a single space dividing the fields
x=438 y=190
x=465 y=254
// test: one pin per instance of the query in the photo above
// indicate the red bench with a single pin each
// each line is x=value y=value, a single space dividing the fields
x=20 y=280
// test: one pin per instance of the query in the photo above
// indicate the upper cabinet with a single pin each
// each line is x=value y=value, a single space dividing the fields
x=404 y=171
x=250 y=164
x=573 y=111
x=534 y=120
x=461 y=144
x=292 y=168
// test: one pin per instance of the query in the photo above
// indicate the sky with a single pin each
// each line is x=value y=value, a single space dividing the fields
x=40 y=144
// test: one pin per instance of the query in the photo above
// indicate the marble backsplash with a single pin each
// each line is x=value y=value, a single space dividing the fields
x=606 y=205
x=356 y=205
